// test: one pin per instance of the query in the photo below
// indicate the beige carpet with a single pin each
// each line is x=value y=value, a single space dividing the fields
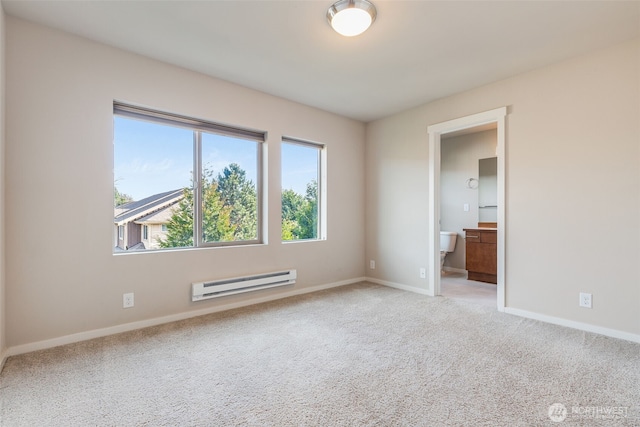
x=360 y=355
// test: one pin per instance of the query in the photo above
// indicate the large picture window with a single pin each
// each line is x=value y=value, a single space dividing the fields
x=181 y=182
x=302 y=190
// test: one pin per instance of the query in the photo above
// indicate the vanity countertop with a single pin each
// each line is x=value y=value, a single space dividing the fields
x=480 y=229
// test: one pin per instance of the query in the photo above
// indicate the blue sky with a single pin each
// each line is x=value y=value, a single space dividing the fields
x=299 y=167
x=150 y=158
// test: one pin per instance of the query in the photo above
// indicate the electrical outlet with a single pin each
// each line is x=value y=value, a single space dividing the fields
x=127 y=300
x=585 y=300
x=423 y=273
x=372 y=264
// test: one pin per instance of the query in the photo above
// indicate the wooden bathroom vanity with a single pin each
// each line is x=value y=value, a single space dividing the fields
x=481 y=245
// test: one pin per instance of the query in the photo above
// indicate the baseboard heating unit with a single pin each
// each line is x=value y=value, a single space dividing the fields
x=237 y=285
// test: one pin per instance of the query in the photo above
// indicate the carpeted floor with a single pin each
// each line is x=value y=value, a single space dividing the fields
x=359 y=355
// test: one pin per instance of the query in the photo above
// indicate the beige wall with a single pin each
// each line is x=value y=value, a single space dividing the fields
x=60 y=90
x=3 y=342
x=572 y=187
x=458 y=162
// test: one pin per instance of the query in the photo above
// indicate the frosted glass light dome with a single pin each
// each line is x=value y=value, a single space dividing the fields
x=351 y=17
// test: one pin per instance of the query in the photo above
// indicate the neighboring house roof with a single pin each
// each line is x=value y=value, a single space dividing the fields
x=137 y=210
x=159 y=217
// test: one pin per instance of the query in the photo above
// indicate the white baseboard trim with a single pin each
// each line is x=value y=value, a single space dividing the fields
x=613 y=333
x=97 y=333
x=112 y=330
x=398 y=286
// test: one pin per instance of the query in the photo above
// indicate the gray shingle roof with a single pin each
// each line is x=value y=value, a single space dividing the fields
x=134 y=210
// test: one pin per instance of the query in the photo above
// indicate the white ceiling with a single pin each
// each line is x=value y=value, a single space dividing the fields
x=415 y=52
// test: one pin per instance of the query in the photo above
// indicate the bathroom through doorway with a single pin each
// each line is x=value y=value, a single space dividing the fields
x=489 y=121
x=468 y=214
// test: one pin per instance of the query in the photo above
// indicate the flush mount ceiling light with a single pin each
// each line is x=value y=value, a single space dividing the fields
x=351 y=17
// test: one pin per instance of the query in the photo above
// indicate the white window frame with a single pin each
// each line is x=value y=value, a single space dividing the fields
x=322 y=186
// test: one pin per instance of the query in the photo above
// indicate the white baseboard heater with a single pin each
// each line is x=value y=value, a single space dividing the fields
x=224 y=287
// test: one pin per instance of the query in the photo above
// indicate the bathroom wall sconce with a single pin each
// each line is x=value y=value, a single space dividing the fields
x=472 y=183
x=351 y=17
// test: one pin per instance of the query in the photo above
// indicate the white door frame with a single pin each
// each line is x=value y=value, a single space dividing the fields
x=435 y=131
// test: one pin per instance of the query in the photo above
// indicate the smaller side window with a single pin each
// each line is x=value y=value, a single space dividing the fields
x=302 y=190
x=145 y=232
x=121 y=232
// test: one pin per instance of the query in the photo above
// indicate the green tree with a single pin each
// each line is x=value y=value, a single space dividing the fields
x=300 y=213
x=120 y=198
x=217 y=224
x=289 y=230
x=229 y=210
x=180 y=226
x=292 y=203
x=308 y=218
x=239 y=195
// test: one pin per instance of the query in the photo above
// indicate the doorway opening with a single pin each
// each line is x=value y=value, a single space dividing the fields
x=494 y=118
x=468 y=215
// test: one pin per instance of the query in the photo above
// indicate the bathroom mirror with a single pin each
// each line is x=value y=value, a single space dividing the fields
x=488 y=190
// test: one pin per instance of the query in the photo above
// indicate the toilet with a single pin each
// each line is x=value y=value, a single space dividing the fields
x=447 y=244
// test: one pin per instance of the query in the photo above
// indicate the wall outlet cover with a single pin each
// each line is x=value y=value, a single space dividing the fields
x=585 y=300
x=127 y=300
